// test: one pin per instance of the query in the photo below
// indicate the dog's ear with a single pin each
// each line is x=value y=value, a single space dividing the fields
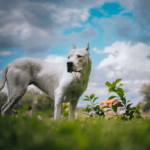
x=87 y=47
x=74 y=47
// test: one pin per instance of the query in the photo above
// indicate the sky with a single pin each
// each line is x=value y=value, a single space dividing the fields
x=118 y=32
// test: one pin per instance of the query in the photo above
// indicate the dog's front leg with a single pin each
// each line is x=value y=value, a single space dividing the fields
x=72 y=108
x=59 y=95
x=58 y=105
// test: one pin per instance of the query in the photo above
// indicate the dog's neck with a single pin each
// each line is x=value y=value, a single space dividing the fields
x=84 y=73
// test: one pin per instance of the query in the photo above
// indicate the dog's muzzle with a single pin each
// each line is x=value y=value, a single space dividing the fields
x=69 y=66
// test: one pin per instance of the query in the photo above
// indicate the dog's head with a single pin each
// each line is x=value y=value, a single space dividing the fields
x=78 y=59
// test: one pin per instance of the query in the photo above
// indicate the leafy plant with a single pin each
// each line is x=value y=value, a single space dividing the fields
x=20 y=111
x=93 y=109
x=130 y=111
x=65 y=111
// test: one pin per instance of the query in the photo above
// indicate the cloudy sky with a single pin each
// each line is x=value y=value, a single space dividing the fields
x=118 y=32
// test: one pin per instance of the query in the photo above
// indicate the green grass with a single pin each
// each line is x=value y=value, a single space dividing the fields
x=32 y=134
x=147 y=116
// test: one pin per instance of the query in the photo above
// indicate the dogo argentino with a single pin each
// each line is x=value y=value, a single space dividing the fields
x=62 y=83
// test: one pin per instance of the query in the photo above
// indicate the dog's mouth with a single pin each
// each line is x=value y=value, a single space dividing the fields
x=72 y=70
x=71 y=67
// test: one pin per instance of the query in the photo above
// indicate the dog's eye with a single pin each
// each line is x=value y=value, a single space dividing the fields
x=79 y=56
x=68 y=57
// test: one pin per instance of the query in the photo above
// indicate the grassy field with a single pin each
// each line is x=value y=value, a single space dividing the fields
x=33 y=134
x=146 y=115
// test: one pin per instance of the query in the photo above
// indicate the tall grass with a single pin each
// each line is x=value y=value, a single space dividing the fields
x=24 y=133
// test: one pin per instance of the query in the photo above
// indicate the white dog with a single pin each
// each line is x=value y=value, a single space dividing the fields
x=61 y=82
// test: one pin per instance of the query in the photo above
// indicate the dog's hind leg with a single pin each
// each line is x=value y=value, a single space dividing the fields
x=14 y=98
x=17 y=86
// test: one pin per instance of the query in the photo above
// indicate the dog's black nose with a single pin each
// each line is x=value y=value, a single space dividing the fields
x=69 y=64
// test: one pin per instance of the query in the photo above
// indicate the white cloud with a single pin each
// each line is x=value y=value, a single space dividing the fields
x=98 y=91
x=71 y=15
x=124 y=56
x=93 y=87
x=86 y=35
x=56 y=59
x=126 y=61
x=5 y=53
x=21 y=30
x=97 y=51
x=107 y=61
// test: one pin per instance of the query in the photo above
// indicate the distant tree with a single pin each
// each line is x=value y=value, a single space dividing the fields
x=145 y=90
x=3 y=99
x=44 y=103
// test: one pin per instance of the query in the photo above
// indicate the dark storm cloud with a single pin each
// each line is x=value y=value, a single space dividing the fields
x=33 y=13
x=145 y=38
x=148 y=57
x=126 y=28
x=38 y=16
x=131 y=24
x=86 y=34
x=131 y=33
x=37 y=25
x=7 y=5
x=72 y=4
x=138 y=29
x=142 y=13
x=7 y=42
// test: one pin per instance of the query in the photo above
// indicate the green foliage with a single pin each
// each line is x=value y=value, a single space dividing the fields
x=93 y=109
x=65 y=110
x=21 y=111
x=37 y=102
x=120 y=92
x=29 y=98
x=44 y=104
x=30 y=133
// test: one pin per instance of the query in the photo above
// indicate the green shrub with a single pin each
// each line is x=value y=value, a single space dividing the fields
x=93 y=109
x=123 y=102
x=65 y=111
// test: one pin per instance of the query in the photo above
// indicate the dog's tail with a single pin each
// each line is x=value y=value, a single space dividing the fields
x=3 y=78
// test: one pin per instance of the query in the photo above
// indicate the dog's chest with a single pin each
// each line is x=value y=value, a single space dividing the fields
x=74 y=93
